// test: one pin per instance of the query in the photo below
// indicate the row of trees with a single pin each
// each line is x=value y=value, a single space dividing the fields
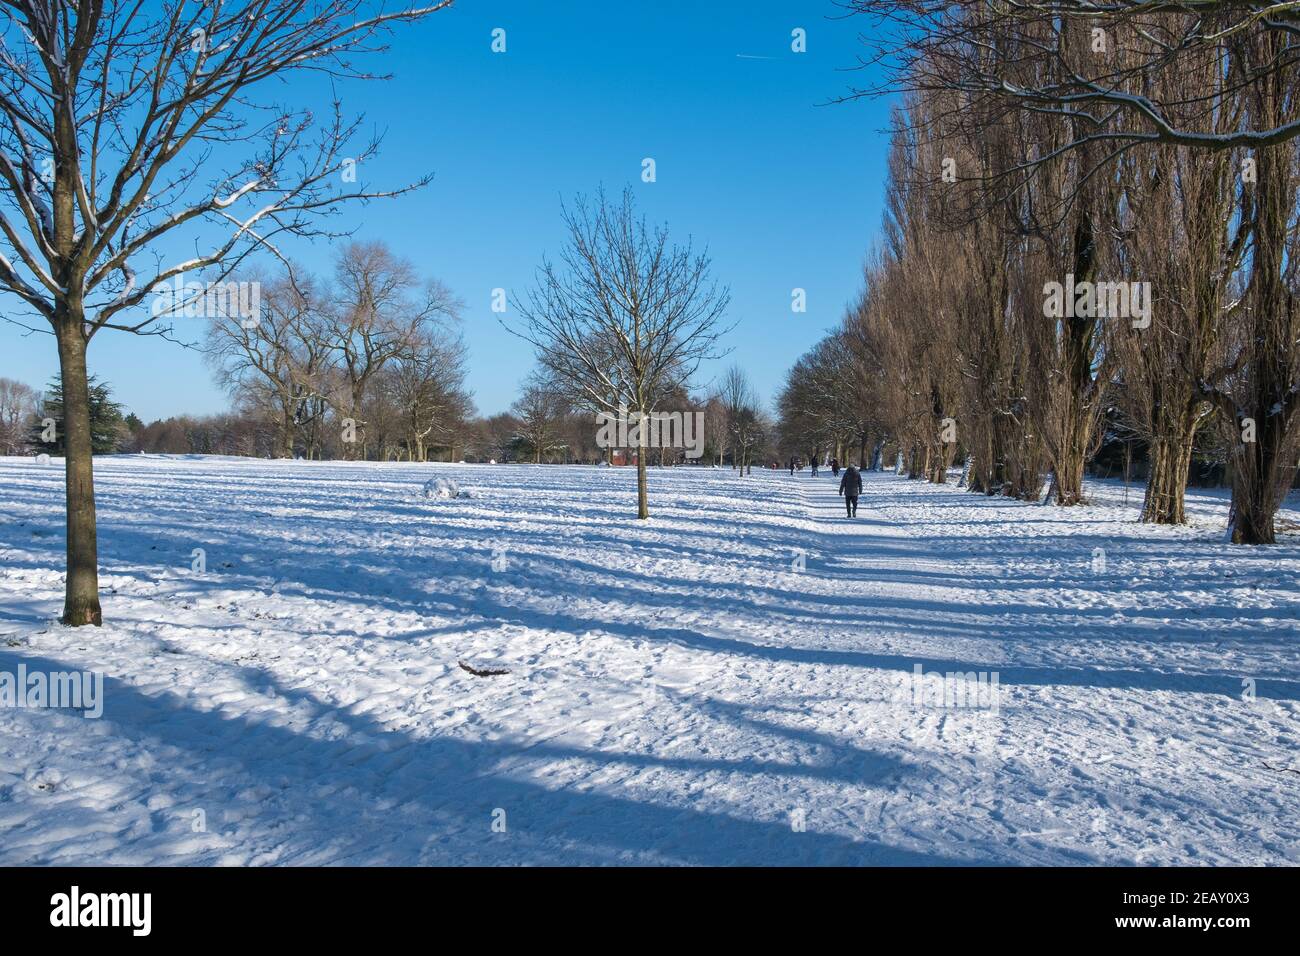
x=1090 y=224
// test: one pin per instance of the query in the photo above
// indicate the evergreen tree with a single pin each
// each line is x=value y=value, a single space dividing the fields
x=107 y=426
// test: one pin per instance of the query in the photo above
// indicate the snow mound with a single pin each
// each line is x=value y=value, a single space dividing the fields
x=441 y=488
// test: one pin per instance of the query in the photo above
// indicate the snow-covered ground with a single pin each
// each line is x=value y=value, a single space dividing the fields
x=678 y=690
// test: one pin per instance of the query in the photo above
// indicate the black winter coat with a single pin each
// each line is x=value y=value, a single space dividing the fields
x=851 y=483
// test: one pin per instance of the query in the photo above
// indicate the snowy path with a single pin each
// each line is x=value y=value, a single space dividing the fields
x=679 y=691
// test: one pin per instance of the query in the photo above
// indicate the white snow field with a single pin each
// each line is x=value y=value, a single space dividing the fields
x=677 y=690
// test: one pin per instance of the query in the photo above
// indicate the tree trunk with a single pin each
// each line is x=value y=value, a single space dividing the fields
x=915 y=466
x=1171 y=458
x=1255 y=483
x=286 y=433
x=1251 y=524
x=1068 y=477
x=980 y=479
x=938 y=465
x=642 y=499
x=81 y=591
x=355 y=450
x=1079 y=394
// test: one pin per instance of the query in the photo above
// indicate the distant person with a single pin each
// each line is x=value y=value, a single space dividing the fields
x=814 y=468
x=835 y=467
x=792 y=464
x=850 y=488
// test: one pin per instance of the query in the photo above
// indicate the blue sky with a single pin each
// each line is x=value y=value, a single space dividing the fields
x=785 y=191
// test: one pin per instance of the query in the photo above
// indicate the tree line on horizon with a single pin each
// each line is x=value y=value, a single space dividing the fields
x=541 y=427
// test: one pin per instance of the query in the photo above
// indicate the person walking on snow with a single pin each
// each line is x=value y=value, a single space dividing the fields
x=835 y=467
x=814 y=468
x=850 y=488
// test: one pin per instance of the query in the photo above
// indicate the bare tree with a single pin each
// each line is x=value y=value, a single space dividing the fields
x=747 y=426
x=378 y=312
x=625 y=318
x=428 y=392
x=1257 y=387
x=810 y=403
x=18 y=405
x=278 y=363
x=1179 y=230
x=540 y=411
x=501 y=436
x=112 y=113
x=716 y=439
